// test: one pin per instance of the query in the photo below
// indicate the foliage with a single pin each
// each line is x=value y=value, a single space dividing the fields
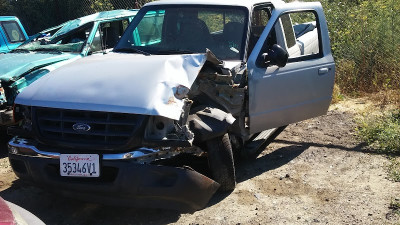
x=382 y=132
x=5 y=7
x=395 y=205
x=394 y=170
x=101 y=5
x=337 y=95
x=365 y=39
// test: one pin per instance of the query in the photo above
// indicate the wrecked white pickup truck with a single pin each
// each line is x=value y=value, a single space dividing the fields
x=188 y=78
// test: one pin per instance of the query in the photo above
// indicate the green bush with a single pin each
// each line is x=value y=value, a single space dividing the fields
x=394 y=170
x=365 y=40
x=382 y=133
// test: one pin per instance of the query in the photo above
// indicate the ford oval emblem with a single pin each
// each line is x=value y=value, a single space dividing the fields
x=81 y=127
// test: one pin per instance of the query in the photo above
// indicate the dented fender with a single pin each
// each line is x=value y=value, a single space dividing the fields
x=208 y=123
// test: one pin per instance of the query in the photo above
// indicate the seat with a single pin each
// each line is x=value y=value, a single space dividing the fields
x=111 y=36
x=232 y=36
x=193 y=35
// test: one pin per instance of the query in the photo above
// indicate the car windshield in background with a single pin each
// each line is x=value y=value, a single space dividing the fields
x=71 y=41
x=183 y=30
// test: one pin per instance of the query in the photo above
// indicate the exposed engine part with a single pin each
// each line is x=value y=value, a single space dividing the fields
x=226 y=88
x=232 y=99
x=161 y=128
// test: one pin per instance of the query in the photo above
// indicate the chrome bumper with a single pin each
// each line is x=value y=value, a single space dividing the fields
x=122 y=183
x=25 y=147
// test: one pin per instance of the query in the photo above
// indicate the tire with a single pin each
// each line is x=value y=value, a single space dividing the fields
x=221 y=163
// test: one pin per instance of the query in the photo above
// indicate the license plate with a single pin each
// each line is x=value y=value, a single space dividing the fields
x=79 y=165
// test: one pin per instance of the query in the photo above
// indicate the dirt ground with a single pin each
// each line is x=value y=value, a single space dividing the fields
x=316 y=172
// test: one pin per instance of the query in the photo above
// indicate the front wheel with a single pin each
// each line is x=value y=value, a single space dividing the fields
x=220 y=160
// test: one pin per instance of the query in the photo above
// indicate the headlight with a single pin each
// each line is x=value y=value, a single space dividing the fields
x=22 y=112
x=181 y=92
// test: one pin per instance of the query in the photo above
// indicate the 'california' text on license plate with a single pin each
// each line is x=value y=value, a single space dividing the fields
x=79 y=165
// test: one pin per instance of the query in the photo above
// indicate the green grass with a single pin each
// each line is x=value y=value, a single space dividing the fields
x=394 y=170
x=381 y=133
x=395 y=205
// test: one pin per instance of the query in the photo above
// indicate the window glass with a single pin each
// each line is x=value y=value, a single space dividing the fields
x=112 y=32
x=108 y=35
x=259 y=20
x=192 y=29
x=71 y=41
x=260 y=17
x=96 y=43
x=288 y=30
x=13 y=31
x=125 y=24
x=301 y=34
x=298 y=33
x=214 y=20
x=149 y=30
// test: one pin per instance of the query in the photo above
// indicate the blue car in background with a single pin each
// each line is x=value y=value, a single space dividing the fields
x=12 y=33
x=43 y=52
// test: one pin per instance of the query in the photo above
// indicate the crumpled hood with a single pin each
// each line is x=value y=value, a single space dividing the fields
x=117 y=82
x=16 y=64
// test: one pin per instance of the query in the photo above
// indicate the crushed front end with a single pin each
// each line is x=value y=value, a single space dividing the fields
x=126 y=158
x=129 y=169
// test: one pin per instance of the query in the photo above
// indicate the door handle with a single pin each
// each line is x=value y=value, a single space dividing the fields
x=323 y=71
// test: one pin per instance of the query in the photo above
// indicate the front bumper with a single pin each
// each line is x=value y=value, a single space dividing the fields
x=123 y=180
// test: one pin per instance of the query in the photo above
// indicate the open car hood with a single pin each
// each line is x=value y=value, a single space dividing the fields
x=117 y=82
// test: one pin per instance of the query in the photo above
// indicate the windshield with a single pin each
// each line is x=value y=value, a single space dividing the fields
x=71 y=41
x=177 y=29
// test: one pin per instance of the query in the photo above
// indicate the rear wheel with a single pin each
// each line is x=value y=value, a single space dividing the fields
x=220 y=160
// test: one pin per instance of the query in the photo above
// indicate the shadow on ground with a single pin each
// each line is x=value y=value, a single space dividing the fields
x=55 y=209
x=249 y=169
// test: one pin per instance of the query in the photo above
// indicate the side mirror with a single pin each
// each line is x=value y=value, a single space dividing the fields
x=276 y=56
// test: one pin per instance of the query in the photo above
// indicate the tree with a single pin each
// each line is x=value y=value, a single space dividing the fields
x=5 y=8
x=101 y=5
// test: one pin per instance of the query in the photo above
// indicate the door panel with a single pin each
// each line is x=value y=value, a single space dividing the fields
x=3 y=46
x=300 y=90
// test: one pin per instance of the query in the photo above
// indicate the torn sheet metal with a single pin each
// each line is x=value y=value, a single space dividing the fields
x=125 y=83
x=208 y=123
x=220 y=84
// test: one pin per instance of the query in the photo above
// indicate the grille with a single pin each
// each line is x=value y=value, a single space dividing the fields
x=106 y=129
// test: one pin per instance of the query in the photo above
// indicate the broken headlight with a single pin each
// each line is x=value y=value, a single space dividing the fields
x=22 y=116
x=159 y=128
x=181 y=92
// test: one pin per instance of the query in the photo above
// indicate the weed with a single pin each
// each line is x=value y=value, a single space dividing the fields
x=381 y=132
x=395 y=205
x=337 y=95
x=394 y=170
